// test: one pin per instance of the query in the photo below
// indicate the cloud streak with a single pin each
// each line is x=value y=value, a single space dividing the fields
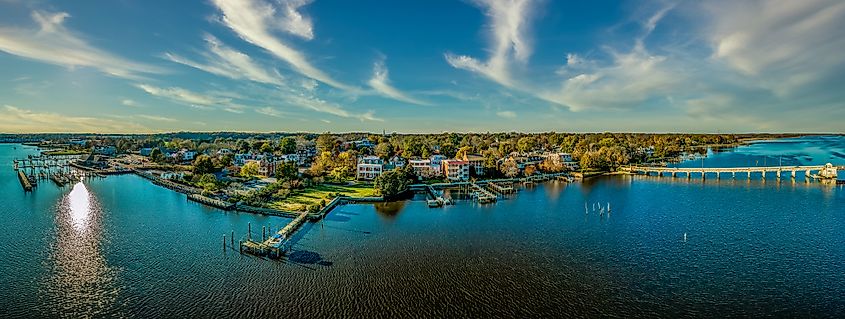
x=52 y=43
x=509 y=22
x=255 y=21
x=18 y=120
x=381 y=84
x=224 y=61
x=193 y=99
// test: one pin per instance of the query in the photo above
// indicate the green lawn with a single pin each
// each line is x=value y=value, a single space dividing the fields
x=300 y=199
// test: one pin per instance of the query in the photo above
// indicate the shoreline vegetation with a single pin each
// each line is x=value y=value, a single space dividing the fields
x=287 y=174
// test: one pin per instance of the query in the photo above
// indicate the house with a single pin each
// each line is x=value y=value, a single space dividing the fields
x=562 y=159
x=146 y=151
x=456 y=170
x=183 y=155
x=369 y=167
x=397 y=162
x=363 y=143
x=422 y=167
x=105 y=150
x=292 y=158
x=241 y=159
x=476 y=162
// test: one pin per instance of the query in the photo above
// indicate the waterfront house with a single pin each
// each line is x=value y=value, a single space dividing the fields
x=476 y=163
x=456 y=170
x=146 y=151
x=105 y=150
x=369 y=167
x=422 y=167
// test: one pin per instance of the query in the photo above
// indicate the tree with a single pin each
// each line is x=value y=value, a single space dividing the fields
x=156 y=155
x=266 y=148
x=249 y=169
x=287 y=170
x=287 y=145
x=529 y=170
x=384 y=150
x=462 y=152
x=326 y=143
x=526 y=144
x=203 y=165
x=509 y=168
x=208 y=182
x=392 y=183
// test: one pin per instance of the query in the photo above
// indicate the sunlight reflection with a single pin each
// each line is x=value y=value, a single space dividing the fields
x=80 y=206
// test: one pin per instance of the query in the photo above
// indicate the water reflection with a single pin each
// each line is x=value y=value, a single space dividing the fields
x=80 y=206
x=81 y=282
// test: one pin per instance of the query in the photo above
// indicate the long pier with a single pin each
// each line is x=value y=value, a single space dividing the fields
x=826 y=171
x=273 y=246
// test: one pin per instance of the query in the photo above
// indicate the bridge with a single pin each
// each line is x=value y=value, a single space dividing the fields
x=827 y=171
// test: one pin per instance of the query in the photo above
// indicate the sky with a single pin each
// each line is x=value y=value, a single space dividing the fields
x=138 y=66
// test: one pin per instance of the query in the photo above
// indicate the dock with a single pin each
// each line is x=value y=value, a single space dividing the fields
x=25 y=182
x=501 y=188
x=482 y=195
x=273 y=246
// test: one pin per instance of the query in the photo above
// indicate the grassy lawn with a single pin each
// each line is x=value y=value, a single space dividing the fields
x=300 y=199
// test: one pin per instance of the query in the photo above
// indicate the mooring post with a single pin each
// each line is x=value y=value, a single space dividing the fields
x=241 y=247
x=233 y=238
x=249 y=231
x=263 y=233
x=224 y=241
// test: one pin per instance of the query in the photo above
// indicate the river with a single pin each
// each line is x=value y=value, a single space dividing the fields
x=123 y=247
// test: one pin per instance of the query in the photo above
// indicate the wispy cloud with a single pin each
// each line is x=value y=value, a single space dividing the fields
x=128 y=102
x=509 y=23
x=255 y=21
x=269 y=111
x=786 y=46
x=506 y=114
x=52 y=43
x=227 y=62
x=18 y=120
x=293 y=21
x=156 y=118
x=381 y=84
x=193 y=99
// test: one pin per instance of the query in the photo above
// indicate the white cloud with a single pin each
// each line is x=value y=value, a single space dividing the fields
x=193 y=99
x=381 y=84
x=52 y=43
x=225 y=61
x=509 y=22
x=129 y=102
x=255 y=21
x=17 y=120
x=269 y=111
x=293 y=22
x=630 y=79
x=506 y=114
x=787 y=45
x=156 y=118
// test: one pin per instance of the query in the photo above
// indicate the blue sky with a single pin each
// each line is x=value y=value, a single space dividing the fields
x=422 y=66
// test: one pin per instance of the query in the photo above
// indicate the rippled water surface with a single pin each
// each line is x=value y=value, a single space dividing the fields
x=121 y=246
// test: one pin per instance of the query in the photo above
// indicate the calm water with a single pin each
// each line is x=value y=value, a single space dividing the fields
x=123 y=247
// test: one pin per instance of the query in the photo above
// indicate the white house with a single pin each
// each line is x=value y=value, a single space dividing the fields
x=369 y=167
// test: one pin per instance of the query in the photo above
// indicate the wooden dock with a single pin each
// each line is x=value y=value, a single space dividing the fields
x=501 y=188
x=27 y=185
x=274 y=246
x=482 y=195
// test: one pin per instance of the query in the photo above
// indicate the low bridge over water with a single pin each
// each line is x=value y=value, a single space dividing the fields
x=826 y=171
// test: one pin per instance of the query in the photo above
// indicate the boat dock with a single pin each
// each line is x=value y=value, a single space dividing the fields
x=272 y=246
x=827 y=171
x=482 y=195
x=501 y=188
x=25 y=182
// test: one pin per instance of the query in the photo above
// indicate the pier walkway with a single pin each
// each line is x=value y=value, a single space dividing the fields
x=823 y=171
